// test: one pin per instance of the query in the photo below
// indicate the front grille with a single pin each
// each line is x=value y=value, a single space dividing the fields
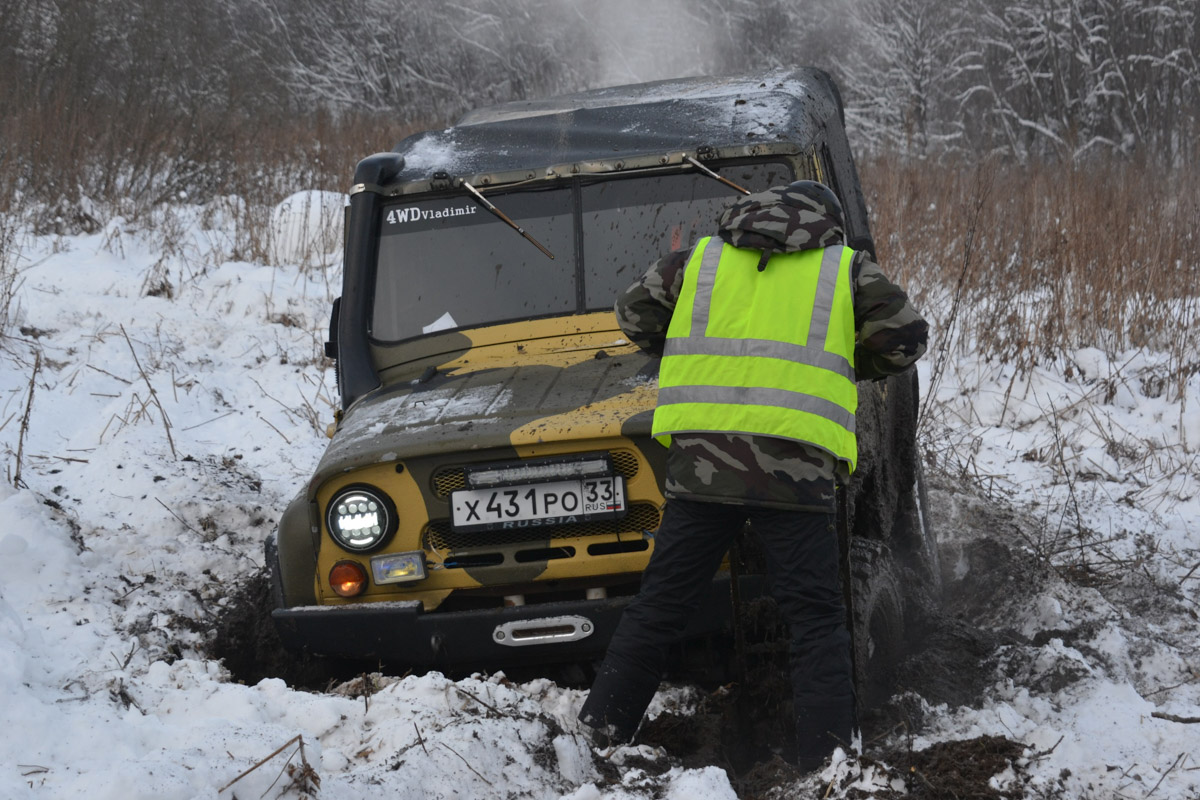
x=440 y=536
x=625 y=462
x=448 y=480
x=451 y=479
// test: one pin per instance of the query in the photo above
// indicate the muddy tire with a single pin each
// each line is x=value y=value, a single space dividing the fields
x=887 y=497
x=878 y=618
x=921 y=555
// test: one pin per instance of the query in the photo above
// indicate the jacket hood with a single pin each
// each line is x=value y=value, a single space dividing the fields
x=779 y=220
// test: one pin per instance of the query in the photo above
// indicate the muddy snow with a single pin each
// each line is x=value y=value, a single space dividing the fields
x=161 y=400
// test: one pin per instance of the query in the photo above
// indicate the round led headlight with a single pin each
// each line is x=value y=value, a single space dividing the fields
x=361 y=518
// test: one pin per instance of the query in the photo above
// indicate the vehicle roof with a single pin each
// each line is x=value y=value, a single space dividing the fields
x=782 y=105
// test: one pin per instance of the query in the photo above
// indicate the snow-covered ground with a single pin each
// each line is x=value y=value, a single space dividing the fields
x=160 y=404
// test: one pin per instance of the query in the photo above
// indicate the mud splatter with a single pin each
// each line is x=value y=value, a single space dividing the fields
x=244 y=639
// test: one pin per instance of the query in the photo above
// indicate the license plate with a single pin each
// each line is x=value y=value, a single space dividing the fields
x=537 y=504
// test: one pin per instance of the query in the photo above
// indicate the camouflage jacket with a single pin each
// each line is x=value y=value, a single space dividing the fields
x=764 y=470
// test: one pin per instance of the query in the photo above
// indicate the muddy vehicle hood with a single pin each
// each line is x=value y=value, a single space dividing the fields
x=607 y=392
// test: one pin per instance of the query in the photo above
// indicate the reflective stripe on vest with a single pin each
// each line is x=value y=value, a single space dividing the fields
x=768 y=353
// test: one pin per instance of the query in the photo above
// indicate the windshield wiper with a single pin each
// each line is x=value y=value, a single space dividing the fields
x=503 y=216
x=712 y=174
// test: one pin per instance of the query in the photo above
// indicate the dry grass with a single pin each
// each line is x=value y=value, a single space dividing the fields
x=1026 y=263
x=66 y=167
x=1107 y=246
x=12 y=247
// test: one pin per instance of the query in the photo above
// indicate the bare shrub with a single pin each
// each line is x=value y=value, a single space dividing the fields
x=1061 y=259
x=113 y=109
x=12 y=247
x=1069 y=256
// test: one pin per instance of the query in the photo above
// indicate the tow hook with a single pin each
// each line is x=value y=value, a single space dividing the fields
x=544 y=630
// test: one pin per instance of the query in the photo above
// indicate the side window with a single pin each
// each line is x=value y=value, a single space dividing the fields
x=822 y=162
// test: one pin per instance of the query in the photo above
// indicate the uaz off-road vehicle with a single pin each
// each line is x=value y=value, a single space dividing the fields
x=491 y=491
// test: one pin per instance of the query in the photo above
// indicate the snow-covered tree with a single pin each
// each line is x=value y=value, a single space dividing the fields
x=1069 y=78
x=905 y=63
x=149 y=99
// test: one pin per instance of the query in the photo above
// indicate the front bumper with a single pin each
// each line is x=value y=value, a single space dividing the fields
x=403 y=634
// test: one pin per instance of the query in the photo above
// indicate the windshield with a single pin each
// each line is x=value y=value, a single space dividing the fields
x=628 y=224
x=450 y=263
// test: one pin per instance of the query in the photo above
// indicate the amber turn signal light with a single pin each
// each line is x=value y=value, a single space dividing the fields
x=348 y=578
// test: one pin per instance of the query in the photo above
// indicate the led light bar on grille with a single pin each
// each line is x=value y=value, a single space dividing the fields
x=534 y=471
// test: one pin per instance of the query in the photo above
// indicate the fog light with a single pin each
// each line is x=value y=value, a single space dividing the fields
x=398 y=567
x=348 y=578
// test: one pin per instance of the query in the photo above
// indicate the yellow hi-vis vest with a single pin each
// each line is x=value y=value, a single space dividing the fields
x=767 y=353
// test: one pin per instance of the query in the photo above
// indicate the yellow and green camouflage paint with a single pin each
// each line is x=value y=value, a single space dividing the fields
x=547 y=387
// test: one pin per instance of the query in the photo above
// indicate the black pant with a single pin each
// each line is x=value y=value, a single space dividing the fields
x=688 y=548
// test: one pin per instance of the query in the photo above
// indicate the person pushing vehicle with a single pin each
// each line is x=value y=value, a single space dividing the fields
x=763 y=331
